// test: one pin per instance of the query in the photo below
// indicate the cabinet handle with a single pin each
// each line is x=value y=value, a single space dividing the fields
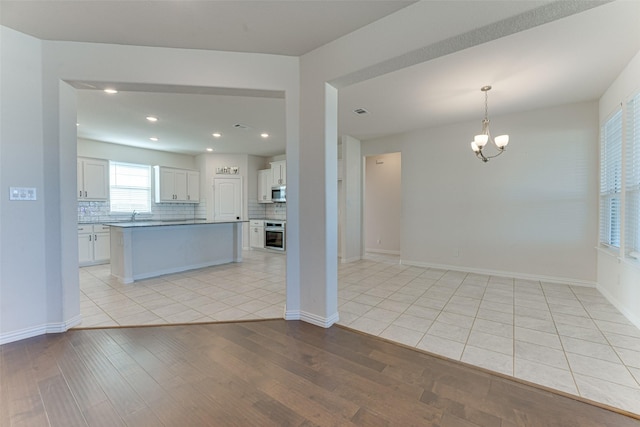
x=85 y=194
x=95 y=237
x=89 y=237
x=80 y=194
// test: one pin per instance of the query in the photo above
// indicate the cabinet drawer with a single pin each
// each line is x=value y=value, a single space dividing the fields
x=99 y=228
x=257 y=223
x=85 y=228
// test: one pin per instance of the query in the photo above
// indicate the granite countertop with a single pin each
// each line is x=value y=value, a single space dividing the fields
x=163 y=223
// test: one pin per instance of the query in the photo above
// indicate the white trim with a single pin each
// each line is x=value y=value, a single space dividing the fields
x=323 y=322
x=621 y=308
x=382 y=251
x=291 y=314
x=524 y=276
x=352 y=259
x=49 y=328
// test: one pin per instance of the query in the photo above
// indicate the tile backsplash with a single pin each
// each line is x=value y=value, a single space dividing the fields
x=267 y=210
x=99 y=212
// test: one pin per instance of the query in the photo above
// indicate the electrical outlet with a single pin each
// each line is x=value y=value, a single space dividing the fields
x=22 y=193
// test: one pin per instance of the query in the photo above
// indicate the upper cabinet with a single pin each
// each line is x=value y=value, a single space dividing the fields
x=93 y=179
x=279 y=172
x=264 y=186
x=176 y=185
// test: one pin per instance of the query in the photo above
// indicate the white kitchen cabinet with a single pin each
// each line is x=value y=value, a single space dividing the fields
x=93 y=179
x=256 y=236
x=193 y=186
x=176 y=185
x=279 y=172
x=94 y=244
x=264 y=186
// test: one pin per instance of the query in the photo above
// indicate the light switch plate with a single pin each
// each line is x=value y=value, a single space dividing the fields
x=22 y=193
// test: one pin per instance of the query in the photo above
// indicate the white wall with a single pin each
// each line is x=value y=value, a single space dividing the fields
x=383 y=203
x=23 y=259
x=350 y=193
x=530 y=213
x=618 y=276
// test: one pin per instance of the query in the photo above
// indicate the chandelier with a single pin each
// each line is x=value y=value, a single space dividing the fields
x=480 y=141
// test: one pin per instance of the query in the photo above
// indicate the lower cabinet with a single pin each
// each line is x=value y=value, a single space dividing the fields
x=94 y=244
x=256 y=234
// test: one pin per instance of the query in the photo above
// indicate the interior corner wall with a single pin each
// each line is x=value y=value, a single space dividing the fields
x=23 y=225
x=383 y=203
x=530 y=213
x=618 y=276
x=351 y=202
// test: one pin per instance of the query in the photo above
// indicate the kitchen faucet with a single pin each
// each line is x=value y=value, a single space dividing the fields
x=133 y=215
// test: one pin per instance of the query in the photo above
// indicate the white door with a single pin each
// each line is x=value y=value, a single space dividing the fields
x=227 y=199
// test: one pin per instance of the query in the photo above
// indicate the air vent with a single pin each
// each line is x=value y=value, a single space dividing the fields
x=360 y=111
x=241 y=126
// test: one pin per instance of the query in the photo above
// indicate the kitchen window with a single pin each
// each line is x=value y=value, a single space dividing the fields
x=129 y=187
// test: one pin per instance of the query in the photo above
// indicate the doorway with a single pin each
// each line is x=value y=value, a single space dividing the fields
x=383 y=204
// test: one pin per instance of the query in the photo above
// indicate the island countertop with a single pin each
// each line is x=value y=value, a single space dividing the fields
x=163 y=223
x=144 y=249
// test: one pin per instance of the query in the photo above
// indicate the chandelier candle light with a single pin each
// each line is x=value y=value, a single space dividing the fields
x=480 y=141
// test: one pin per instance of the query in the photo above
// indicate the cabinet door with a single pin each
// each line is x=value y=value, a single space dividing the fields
x=80 y=179
x=85 y=248
x=101 y=246
x=227 y=204
x=279 y=171
x=283 y=173
x=193 y=186
x=180 y=184
x=96 y=179
x=264 y=186
x=166 y=185
x=257 y=237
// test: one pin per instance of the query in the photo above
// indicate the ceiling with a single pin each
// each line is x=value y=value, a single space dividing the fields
x=569 y=60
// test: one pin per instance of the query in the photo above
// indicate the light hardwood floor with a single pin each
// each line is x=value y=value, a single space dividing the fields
x=262 y=373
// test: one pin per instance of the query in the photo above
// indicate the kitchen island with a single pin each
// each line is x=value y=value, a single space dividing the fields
x=144 y=249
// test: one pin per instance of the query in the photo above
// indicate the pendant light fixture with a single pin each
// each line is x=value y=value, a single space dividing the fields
x=480 y=141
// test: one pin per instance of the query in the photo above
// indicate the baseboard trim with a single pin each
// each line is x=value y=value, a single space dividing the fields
x=352 y=259
x=49 y=328
x=381 y=251
x=291 y=314
x=523 y=276
x=323 y=322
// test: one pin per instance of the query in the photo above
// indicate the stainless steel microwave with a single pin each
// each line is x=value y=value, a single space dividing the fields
x=279 y=194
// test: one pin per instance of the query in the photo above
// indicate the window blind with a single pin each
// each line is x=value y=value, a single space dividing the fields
x=130 y=187
x=611 y=180
x=632 y=172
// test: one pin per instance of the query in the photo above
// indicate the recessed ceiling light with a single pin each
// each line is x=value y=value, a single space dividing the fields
x=152 y=118
x=153 y=138
x=216 y=134
x=264 y=135
x=77 y=124
x=110 y=91
x=209 y=149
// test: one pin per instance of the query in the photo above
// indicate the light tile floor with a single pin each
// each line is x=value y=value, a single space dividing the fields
x=565 y=337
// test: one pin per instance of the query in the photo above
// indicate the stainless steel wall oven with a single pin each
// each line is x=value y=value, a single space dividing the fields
x=274 y=235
